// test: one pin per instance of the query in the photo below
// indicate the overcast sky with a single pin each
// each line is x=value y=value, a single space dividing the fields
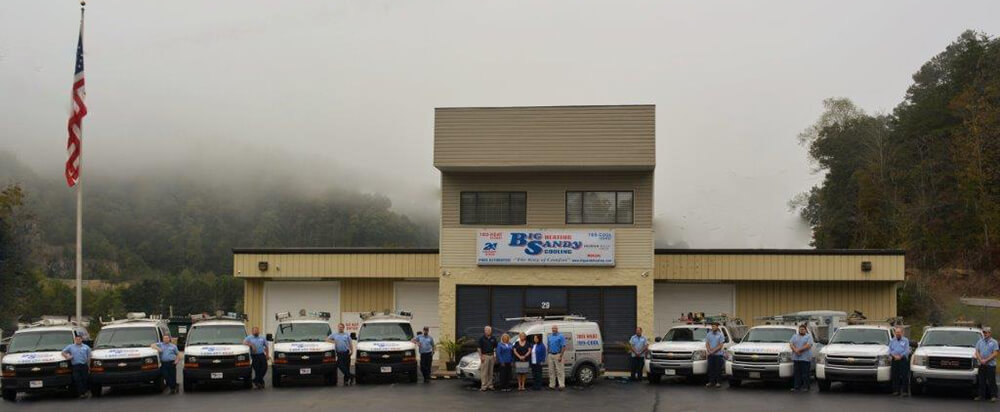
x=343 y=93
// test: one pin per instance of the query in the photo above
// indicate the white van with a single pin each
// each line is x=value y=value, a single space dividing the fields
x=300 y=348
x=123 y=356
x=584 y=356
x=215 y=352
x=33 y=360
x=385 y=347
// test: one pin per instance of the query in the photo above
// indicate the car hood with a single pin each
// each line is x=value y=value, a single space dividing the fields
x=676 y=346
x=761 y=347
x=123 y=353
x=472 y=357
x=296 y=347
x=841 y=349
x=385 y=346
x=32 y=357
x=947 y=351
x=216 y=350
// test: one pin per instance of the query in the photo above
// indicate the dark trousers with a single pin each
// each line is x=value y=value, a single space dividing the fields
x=900 y=373
x=81 y=378
x=536 y=376
x=259 y=366
x=715 y=366
x=344 y=364
x=637 y=364
x=504 y=378
x=169 y=372
x=425 y=364
x=987 y=381
x=801 y=373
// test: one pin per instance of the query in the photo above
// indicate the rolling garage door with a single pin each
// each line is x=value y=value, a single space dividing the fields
x=291 y=296
x=420 y=299
x=672 y=299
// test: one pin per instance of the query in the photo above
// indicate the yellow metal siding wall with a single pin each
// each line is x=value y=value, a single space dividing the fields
x=778 y=267
x=546 y=193
x=253 y=301
x=633 y=248
x=360 y=265
x=568 y=136
x=363 y=295
x=877 y=300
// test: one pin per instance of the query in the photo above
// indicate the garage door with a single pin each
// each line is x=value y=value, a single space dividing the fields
x=672 y=299
x=292 y=296
x=421 y=299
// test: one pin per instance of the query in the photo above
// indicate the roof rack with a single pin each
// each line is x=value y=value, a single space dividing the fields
x=891 y=321
x=386 y=314
x=132 y=317
x=550 y=317
x=787 y=319
x=219 y=315
x=700 y=318
x=51 y=322
x=303 y=314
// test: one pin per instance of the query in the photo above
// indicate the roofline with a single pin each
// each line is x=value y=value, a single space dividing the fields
x=334 y=250
x=547 y=106
x=821 y=252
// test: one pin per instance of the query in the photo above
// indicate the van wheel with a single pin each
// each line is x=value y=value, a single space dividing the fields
x=276 y=380
x=585 y=375
x=655 y=377
x=188 y=385
x=824 y=385
x=96 y=391
x=359 y=378
x=9 y=395
x=735 y=383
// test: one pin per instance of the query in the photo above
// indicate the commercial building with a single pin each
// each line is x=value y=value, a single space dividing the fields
x=549 y=210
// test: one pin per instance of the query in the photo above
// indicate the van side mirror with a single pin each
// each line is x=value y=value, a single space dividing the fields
x=658 y=339
x=269 y=337
x=3 y=348
x=914 y=344
x=354 y=336
x=89 y=343
x=823 y=341
x=736 y=340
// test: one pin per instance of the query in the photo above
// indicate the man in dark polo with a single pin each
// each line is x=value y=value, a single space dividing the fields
x=487 y=357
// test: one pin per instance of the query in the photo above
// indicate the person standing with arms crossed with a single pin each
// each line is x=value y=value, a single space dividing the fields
x=986 y=355
x=714 y=342
x=168 y=362
x=522 y=351
x=638 y=348
x=899 y=352
x=78 y=354
x=425 y=343
x=258 y=355
x=556 y=348
x=344 y=346
x=801 y=344
x=487 y=357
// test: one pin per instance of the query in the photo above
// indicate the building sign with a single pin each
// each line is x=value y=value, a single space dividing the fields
x=540 y=247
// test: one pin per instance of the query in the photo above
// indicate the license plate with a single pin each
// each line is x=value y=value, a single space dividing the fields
x=35 y=384
x=386 y=369
x=305 y=371
x=669 y=372
x=754 y=375
x=216 y=375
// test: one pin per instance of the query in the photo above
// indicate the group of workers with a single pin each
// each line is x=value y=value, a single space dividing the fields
x=521 y=357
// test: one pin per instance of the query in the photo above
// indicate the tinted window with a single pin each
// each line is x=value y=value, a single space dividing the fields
x=371 y=332
x=40 y=341
x=216 y=335
x=302 y=332
x=125 y=338
x=686 y=335
x=493 y=208
x=861 y=337
x=772 y=335
x=951 y=338
x=599 y=207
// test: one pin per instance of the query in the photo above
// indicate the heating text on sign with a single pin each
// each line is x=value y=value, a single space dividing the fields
x=546 y=247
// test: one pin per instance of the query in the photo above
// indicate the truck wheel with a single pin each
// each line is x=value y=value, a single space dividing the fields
x=585 y=375
x=916 y=388
x=735 y=383
x=824 y=385
x=96 y=391
x=359 y=378
x=276 y=380
x=188 y=385
x=9 y=395
x=655 y=378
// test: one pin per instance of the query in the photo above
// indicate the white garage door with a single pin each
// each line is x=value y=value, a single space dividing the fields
x=292 y=296
x=672 y=299
x=421 y=299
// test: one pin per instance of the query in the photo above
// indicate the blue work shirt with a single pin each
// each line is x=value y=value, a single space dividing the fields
x=341 y=341
x=258 y=344
x=639 y=344
x=80 y=353
x=426 y=343
x=168 y=351
x=556 y=343
x=538 y=354
x=986 y=348
x=505 y=353
x=798 y=342
x=714 y=339
x=899 y=347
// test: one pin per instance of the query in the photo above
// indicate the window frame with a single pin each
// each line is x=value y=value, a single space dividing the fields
x=461 y=216
x=583 y=217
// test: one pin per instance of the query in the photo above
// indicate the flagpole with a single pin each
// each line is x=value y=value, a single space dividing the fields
x=79 y=217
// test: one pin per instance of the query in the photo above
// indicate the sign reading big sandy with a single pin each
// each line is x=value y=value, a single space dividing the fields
x=541 y=247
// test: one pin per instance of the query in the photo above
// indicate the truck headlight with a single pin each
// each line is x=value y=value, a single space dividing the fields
x=149 y=360
x=884 y=360
x=784 y=357
x=699 y=354
x=279 y=355
x=63 y=364
x=327 y=354
x=192 y=359
x=97 y=363
x=9 y=368
x=727 y=354
x=408 y=353
x=920 y=360
x=820 y=358
x=241 y=358
x=363 y=354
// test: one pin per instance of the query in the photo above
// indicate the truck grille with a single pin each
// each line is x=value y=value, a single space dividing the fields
x=122 y=365
x=38 y=369
x=852 y=361
x=671 y=355
x=755 y=358
x=938 y=362
x=304 y=358
x=217 y=362
x=386 y=357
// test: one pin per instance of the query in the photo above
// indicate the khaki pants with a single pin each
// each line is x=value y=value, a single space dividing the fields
x=557 y=373
x=486 y=371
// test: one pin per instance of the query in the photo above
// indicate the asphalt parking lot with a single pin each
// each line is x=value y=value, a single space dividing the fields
x=455 y=395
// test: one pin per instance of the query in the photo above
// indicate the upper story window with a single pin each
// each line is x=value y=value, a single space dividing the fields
x=599 y=207
x=493 y=208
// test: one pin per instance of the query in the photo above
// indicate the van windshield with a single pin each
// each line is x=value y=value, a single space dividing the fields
x=40 y=341
x=769 y=335
x=962 y=338
x=861 y=337
x=686 y=335
x=216 y=335
x=386 y=332
x=302 y=332
x=126 y=338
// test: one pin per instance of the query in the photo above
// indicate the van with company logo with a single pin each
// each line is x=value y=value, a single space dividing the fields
x=215 y=352
x=123 y=356
x=385 y=347
x=300 y=348
x=584 y=356
x=33 y=360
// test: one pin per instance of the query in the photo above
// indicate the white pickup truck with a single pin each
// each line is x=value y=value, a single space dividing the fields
x=856 y=353
x=764 y=354
x=681 y=352
x=945 y=357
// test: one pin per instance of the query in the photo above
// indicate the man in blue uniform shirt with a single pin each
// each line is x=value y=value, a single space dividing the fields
x=258 y=355
x=344 y=347
x=715 y=340
x=801 y=343
x=168 y=361
x=78 y=355
x=425 y=344
x=986 y=356
x=556 y=347
x=899 y=352
x=638 y=348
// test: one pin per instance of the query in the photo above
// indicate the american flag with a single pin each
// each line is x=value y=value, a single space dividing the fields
x=76 y=119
